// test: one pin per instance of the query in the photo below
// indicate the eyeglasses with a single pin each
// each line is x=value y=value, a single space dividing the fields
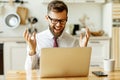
x=55 y=21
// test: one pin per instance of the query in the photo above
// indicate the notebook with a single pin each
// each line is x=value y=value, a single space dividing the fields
x=65 y=62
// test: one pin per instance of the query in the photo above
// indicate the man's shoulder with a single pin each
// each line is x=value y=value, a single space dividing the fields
x=42 y=32
x=67 y=35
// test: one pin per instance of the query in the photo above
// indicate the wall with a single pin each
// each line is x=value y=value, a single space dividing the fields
x=38 y=9
x=107 y=19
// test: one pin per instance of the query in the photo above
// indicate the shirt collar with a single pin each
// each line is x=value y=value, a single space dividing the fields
x=49 y=33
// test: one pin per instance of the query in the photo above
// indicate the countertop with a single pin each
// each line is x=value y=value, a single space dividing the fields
x=12 y=39
x=35 y=75
x=98 y=37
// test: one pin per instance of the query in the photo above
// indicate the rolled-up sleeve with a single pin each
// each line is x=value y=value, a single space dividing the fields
x=32 y=62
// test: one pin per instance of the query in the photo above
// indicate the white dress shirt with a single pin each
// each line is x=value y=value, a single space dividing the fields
x=44 y=40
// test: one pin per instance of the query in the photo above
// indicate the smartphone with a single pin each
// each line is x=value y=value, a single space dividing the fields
x=99 y=73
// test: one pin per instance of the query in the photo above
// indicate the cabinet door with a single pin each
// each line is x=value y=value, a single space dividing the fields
x=100 y=51
x=14 y=55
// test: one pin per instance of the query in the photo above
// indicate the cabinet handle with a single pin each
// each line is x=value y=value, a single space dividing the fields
x=20 y=42
x=94 y=42
x=95 y=65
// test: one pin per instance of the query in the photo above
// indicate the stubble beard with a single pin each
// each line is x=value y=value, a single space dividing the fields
x=55 y=34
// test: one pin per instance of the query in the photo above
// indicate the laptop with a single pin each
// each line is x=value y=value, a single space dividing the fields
x=65 y=62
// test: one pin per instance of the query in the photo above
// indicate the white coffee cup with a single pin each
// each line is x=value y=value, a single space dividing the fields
x=109 y=65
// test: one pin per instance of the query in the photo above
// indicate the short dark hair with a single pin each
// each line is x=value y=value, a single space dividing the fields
x=57 y=6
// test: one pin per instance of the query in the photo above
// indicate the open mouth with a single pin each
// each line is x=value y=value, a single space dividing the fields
x=57 y=29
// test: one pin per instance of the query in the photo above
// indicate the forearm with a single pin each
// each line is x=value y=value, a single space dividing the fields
x=32 y=61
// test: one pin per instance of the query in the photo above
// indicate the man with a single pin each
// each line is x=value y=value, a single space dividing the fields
x=57 y=12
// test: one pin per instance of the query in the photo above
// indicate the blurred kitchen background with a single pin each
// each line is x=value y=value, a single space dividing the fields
x=102 y=17
x=90 y=14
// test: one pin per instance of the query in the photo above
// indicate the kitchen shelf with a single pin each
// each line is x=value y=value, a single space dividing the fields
x=14 y=1
x=77 y=1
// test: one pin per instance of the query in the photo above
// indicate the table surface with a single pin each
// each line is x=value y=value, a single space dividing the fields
x=34 y=75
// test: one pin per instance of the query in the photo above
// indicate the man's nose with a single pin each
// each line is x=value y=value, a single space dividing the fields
x=58 y=23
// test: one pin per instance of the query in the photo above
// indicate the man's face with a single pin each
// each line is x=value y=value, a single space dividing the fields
x=57 y=21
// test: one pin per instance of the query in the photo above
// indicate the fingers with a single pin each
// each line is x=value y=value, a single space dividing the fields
x=87 y=32
x=24 y=33
x=33 y=36
x=27 y=36
x=81 y=37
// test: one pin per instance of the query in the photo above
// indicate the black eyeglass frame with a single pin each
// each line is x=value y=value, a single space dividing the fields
x=55 y=21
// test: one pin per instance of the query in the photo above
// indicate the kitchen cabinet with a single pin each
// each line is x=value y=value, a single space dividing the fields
x=14 y=55
x=116 y=15
x=115 y=53
x=77 y=1
x=116 y=33
x=100 y=51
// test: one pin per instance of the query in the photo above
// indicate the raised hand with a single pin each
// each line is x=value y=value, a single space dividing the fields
x=31 y=41
x=84 y=38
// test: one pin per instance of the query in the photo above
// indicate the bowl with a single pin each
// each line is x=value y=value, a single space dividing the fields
x=97 y=33
x=12 y=20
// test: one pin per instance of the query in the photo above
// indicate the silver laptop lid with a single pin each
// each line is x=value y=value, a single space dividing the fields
x=64 y=62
